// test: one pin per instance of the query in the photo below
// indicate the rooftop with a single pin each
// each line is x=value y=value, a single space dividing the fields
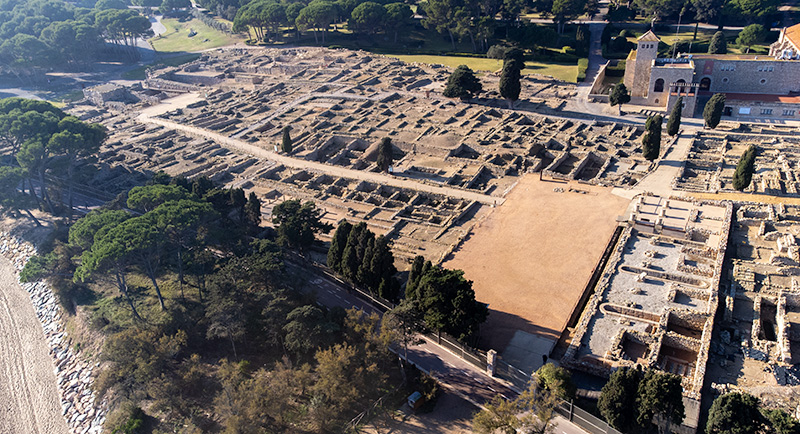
x=793 y=35
x=758 y=97
x=649 y=36
x=754 y=57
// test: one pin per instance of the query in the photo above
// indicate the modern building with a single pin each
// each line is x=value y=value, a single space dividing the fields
x=756 y=86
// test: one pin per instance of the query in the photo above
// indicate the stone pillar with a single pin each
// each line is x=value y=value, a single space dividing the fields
x=491 y=362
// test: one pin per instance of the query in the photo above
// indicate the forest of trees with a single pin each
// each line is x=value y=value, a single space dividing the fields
x=202 y=320
x=36 y=35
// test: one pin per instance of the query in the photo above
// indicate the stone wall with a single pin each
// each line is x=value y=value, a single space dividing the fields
x=74 y=374
x=745 y=76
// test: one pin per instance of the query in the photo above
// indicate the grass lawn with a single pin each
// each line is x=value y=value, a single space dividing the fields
x=138 y=73
x=177 y=39
x=566 y=72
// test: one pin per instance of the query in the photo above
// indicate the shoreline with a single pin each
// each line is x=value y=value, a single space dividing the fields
x=73 y=375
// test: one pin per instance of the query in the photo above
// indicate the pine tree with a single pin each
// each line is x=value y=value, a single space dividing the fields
x=510 y=81
x=286 y=143
x=674 y=122
x=385 y=155
x=651 y=140
x=718 y=45
x=712 y=113
x=462 y=84
x=735 y=413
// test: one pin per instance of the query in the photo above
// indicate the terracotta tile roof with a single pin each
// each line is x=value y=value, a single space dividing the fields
x=793 y=35
x=757 y=97
x=649 y=36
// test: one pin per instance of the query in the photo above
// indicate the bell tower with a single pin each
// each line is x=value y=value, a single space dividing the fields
x=638 y=80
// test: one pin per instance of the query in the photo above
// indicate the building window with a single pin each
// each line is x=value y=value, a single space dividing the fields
x=763 y=81
x=788 y=112
x=771 y=68
x=766 y=111
x=659 y=86
x=681 y=82
x=725 y=80
x=705 y=83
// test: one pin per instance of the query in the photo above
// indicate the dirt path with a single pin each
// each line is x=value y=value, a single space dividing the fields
x=28 y=395
x=241 y=146
x=531 y=259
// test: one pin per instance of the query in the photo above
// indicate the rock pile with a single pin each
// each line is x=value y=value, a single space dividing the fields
x=74 y=375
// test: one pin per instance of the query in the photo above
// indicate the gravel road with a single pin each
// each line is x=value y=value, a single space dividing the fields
x=29 y=402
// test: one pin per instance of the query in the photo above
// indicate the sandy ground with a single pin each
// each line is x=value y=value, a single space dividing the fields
x=531 y=258
x=28 y=395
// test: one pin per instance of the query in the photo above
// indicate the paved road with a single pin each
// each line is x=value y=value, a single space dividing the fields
x=461 y=377
x=241 y=146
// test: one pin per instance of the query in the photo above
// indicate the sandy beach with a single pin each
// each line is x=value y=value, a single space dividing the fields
x=29 y=402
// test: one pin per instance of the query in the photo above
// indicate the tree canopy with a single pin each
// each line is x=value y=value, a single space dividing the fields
x=298 y=223
x=735 y=413
x=619 y=96
x=712 y=113
x=674 y=121
x=447 y=301
x=510 y=86
x=462 y=84
x=744 y=169
x=751 y=35
x=718 y=45
x=651 y=139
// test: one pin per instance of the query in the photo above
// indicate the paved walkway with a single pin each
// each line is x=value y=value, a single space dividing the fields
x=243 y=147
x=459 y=376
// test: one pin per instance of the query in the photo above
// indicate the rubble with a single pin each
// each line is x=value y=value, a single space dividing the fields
x=74 y=375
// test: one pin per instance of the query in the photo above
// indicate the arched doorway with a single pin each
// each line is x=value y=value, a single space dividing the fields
x=659 y=85
x=705 y=83
x=681 y=82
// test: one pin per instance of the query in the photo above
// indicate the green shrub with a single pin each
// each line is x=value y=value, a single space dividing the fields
x=617 y=70
x=568 y=50
x=583 y=65
x=128 y=419
x=497 y=51
x=625 y=33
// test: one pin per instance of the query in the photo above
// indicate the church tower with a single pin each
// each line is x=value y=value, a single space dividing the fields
x=639 y=63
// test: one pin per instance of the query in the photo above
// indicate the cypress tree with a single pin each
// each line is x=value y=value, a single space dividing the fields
x=413 y=276
x=382 y=265
x=509 y=81
x=718 y=45
x=351 y=257
x=712 y=113
x=286 y=143
x=252 y=211
x=385 y=155
x=651 y=140
x=674 y=122
x=744 y=169
x=338 y=244
x=365 y=276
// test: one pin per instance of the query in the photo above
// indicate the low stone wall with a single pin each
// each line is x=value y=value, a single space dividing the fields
x=74 y=375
